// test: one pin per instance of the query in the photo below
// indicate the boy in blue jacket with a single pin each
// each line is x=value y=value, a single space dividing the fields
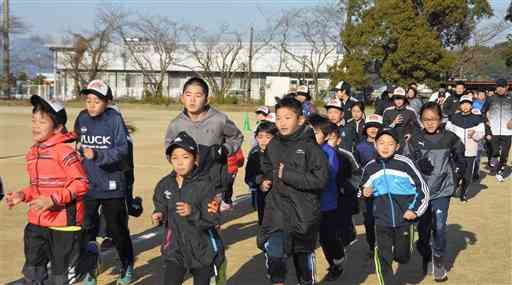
x=400 y=195
x=253 y=173
x=366 y=152
x=103 y=139
x=330 y=235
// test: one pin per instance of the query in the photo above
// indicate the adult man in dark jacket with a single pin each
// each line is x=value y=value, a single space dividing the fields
x=343 y=92
x=499 y=116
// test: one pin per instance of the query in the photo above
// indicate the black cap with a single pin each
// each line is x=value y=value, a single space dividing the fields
x=387 y=131
x=184 y=141
x=501 y=82
x=55 y=107
x=99 y=88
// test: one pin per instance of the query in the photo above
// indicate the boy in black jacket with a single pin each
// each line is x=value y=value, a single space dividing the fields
x=253 y=174
x=297 y=170
x=103 y=138
x=181 y=202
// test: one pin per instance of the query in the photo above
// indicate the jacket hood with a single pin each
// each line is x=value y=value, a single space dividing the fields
x=58 y=138
x=303 y=133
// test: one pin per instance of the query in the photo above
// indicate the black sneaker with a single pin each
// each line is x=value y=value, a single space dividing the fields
x=464 y=198
x=333 y=273
x=440 y=272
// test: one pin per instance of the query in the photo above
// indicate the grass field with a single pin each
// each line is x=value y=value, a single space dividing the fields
x=479 y=232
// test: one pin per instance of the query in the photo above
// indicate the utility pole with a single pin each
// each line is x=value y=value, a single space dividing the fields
x=6 y=54
x=249 y=73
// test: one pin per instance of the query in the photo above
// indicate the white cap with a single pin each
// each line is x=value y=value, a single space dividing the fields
x=399 y=91
x=467 y=98
x=99 y=88
x=271 y=117
x=374 y=119
x=302 y=89
x=334 y=103
x=263 y=109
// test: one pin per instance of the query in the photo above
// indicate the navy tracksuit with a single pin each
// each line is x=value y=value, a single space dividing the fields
x=107 y=135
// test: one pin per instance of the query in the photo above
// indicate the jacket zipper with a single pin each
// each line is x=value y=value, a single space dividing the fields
x=37 y=181
x=389 y=196
x=501 y=113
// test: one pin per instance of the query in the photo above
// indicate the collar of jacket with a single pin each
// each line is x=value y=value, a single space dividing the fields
x=193 y=176
x=206 y=110
x=66 y=137
x=382 y=159
x=303 y=132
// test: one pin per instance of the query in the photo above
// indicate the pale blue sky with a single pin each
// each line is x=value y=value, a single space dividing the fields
x=54 y=17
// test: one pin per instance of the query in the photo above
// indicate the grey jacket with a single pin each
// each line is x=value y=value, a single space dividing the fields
x=215 y=128
x=499 y=114
x=445 y=152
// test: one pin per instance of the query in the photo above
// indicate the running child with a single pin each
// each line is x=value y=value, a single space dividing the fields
x=355 y=126
x=439 y=155
x=335 y=114
x=55 y=196
x=400 y=196
x=208 y=127
x=103 y=138
x=366 y=152
x=253 y=173
x=181 y=201
x=303 y=96
x=469 y=126
x=297 y=170
x=330 y=236
x=401 y=117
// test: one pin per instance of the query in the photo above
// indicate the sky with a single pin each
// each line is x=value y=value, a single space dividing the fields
x=55 y=17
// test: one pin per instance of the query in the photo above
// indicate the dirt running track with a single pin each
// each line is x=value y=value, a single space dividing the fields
x=479 y=232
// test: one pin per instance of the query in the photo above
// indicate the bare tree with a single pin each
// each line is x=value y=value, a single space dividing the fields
x=214 y=56
x=310 y=36
x=470 y=56
x=151 y=43
x=87 y=54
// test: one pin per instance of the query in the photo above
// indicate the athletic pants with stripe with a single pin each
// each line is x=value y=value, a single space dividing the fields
x=391 y=244
x=468 y=174
x=43 y=245
x=304 y=262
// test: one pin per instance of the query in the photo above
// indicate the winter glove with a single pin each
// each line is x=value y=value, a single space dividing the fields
x=425 y=166
x=220 y=153
x=458 y=176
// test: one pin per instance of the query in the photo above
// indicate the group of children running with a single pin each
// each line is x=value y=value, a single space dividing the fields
x=308 y=175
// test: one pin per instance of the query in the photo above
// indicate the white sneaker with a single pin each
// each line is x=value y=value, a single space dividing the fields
x=226 y=207
x=499 y=177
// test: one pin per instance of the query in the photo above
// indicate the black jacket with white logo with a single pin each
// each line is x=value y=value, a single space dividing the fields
x=293 y=203
x=191 y=241
x=409 y=125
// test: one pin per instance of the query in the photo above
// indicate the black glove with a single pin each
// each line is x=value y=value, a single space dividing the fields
x=1 y=189
x=458 y=176
x=425 y=166
x=135 y=208
x=220 y=153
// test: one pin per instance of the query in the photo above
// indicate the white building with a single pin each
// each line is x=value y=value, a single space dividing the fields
x=127 y=80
